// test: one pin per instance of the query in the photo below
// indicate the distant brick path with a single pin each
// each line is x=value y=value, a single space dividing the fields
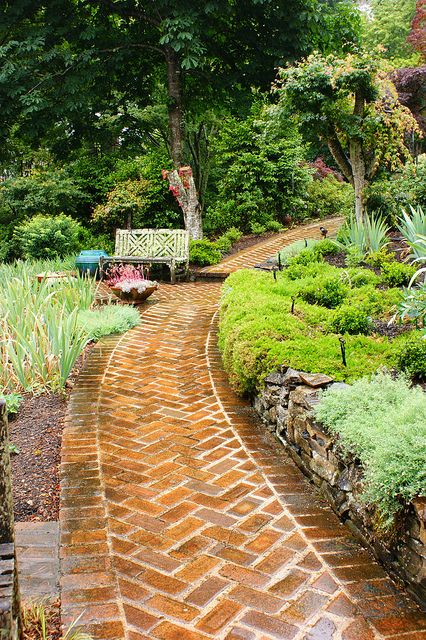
x=263 y=250
x=182 y=520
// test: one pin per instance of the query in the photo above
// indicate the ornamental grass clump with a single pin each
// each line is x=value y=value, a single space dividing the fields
x=382 y=421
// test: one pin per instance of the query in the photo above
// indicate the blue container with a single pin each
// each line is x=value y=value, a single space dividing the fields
x=88 y=261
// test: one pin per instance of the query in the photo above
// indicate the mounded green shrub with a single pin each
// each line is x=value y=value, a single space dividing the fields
x=108 y=320
x=397 y=274
x=204 y=252
x=381 y=420
x=258 y=333
x=328 y=292
x=351 y=320
x=48 y=237
x=411 y=355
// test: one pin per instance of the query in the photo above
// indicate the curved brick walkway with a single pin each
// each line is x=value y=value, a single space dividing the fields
x=182 y=520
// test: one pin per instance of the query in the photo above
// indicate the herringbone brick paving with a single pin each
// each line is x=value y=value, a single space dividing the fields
x=263 y=250
x=182 y=520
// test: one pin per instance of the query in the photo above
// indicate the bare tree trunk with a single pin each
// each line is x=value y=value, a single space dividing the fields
x=174 y=84
x=10 y=615
x=182 y=186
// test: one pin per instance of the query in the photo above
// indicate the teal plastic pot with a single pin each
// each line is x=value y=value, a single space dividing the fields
x=88 y=261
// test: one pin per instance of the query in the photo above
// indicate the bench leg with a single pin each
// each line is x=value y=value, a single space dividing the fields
x=173 y=272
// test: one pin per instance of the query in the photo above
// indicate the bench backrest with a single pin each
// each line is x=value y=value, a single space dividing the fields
x=153 y=243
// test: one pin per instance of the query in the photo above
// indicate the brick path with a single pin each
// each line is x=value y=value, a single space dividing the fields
x=182 y=520
x=258 y=253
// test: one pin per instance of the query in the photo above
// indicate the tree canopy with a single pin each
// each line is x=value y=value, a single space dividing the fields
x=352 y=106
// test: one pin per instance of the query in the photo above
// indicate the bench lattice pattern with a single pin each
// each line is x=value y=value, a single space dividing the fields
x=152 y=246
x=153 y=243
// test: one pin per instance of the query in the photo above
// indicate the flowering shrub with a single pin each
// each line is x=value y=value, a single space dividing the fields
x=127 y=277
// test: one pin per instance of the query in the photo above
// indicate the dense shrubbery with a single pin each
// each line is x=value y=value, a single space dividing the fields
x=258 y=332
x=206 y=252
x=46 y=237
x=382 y=421
x=398 y=191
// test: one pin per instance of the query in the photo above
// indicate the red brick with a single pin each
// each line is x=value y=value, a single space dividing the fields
x=219 y=617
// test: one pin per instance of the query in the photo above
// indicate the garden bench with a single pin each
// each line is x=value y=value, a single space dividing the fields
x=152 y=246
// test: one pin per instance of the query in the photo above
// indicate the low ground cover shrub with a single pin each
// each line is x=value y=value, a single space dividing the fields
x=351 y=320
x=411 y=355
x=381 y=420
x=293 y=249
x=108 y=320
x=397 y=274
x=258 y=333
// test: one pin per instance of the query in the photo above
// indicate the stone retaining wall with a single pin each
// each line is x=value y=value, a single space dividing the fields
x=286 y=408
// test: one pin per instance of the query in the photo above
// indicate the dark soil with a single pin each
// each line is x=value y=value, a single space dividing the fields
x=336 y=259
x=382 y=328
x=37 y=433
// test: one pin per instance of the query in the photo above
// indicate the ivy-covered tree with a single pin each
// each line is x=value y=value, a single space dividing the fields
x=353 y=107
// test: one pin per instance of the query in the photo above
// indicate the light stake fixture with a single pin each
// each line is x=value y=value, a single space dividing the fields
x=343 y=350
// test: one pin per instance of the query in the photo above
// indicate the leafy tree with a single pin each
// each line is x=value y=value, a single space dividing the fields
x=411 y=86
x=388 y=25
x=83 y=68
x=353 y=107
x=258 y=172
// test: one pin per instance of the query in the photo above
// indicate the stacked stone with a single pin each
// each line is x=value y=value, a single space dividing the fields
x=286 y=407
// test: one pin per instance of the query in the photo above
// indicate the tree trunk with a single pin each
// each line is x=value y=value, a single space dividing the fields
x=174 y=84
x=10 y=614
x=182 y=186
x=358 y=172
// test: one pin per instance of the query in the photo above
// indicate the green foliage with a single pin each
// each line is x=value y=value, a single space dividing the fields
x=411 y=355
x=368 y=236
x=258 y=332
x=412 y=307
x=41 y=336
x=389 y=26
x=48 y=193
x=397 y=274
x=400 y=190
x=380 y=258
x=45 y=237
x=413 y=228
x=383 y=422
x=328 y=292
x=204 y=252
x=354 y=256
x=306 y=256
x=329 y=197
x=294 y=249
x=325 y=247
x=13 y=400
x=350 y=104
x=258 y=173
x=351 y=320
x=108 y=319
